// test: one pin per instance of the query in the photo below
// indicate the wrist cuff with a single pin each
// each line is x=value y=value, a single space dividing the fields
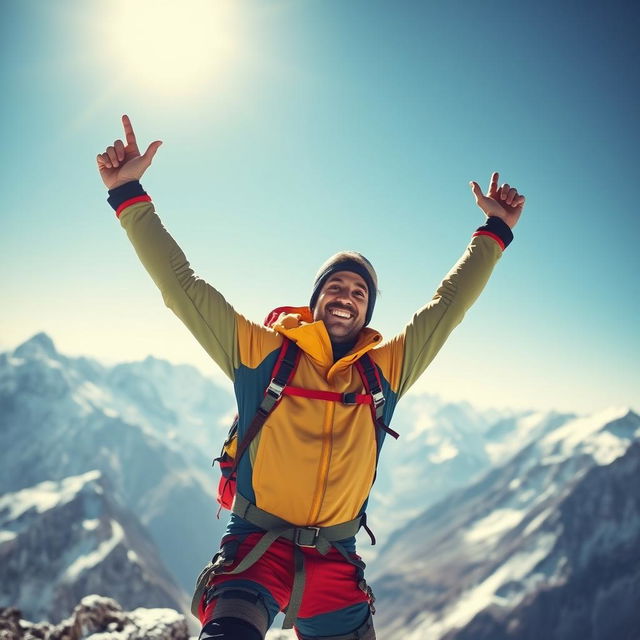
x=497 y=229
x=125 y=195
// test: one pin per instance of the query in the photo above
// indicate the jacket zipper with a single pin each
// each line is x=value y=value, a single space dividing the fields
x=323 y=470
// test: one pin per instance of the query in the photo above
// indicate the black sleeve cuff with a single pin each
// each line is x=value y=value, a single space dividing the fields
x=125 y=192
x=497 y=229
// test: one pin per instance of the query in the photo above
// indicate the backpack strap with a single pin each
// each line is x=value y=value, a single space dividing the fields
x=283 y=371
x=329 y=396
x=371 y=380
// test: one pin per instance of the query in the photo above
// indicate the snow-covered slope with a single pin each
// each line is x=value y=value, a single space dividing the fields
x=442 y=447
x=60 y=541
x=494 y=544
x=64 y=416
x=596 y=559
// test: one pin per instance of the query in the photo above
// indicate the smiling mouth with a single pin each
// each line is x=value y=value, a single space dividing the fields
x=341 y=313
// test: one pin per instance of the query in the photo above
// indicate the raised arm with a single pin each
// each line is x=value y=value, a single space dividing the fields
x=408 y=355
x=203 y=310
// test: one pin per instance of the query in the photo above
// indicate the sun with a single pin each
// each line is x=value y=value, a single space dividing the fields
x=170 y=46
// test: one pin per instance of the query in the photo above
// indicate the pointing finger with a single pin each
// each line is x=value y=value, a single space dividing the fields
x=493 y=183
x=128 y=131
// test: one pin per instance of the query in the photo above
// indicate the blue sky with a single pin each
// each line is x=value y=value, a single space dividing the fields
x=294 y=129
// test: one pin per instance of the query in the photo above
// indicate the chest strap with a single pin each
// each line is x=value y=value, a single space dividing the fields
x=329 y=396
x=320 y=538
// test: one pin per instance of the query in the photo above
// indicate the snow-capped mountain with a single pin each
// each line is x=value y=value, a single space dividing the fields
x=150 y=428
x=62 y=416
x=597 y=558
x=443 y=446
x=502 y=542
x=62 y=540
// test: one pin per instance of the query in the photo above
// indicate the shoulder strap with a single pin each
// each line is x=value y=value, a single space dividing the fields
x=371 y=380
x=282 y=374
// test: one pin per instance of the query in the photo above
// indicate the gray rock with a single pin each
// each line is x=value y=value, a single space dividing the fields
x=98 y=618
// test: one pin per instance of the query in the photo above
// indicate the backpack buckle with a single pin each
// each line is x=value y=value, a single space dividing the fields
x=301 y=537
x=275 y=389
x=272 y=394
x=378 y=403
x=349 y=398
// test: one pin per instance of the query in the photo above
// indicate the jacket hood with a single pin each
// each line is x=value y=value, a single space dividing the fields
x=297 y=324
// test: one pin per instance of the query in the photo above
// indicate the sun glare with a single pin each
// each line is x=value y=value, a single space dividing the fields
x=171 y=46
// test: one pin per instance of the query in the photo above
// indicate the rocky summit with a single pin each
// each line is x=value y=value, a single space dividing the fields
x=98 y=618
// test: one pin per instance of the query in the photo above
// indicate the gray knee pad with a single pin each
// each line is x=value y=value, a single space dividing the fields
x=364 y=632
x=243 y=604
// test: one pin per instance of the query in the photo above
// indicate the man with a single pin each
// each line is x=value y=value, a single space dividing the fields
x=307 y=448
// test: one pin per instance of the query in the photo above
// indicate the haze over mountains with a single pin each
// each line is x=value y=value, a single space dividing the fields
x=472 y=509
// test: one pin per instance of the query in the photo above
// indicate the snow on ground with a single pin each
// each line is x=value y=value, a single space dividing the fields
x=5 y=536
x=90 y=525
x=518 y=569
x=495 y=524
x=89 y=560
x=586 y=434
x=446 y=451
x=524 y=428
x=43 y=496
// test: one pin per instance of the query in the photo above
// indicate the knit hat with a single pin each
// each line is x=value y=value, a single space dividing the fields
x=348 y=261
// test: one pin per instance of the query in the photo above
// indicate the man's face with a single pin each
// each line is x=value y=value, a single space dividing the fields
x=342 y=305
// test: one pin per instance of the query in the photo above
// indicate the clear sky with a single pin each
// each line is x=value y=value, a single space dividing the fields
x=293 y=129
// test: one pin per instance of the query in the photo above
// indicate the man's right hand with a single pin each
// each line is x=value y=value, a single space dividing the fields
x=120 y=164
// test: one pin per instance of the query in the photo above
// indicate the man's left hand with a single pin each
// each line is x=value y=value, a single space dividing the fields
x=502 y=202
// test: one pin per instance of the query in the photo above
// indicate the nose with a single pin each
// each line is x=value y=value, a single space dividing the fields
x=344 y=299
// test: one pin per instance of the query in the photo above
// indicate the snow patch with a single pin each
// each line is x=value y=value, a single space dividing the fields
x=90 y=525
x=44 y=496
x=446 y=451
x=585 y=434
x=81 y=564
x=495 y=524
x=517 y=569
x=537 y=522
x=423 y=422
x=5 y=536
x=133 y=556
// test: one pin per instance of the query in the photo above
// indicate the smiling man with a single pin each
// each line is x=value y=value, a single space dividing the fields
x=343 y=297
x=316 y=390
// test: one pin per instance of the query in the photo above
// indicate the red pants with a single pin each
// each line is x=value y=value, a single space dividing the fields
x=332 y=603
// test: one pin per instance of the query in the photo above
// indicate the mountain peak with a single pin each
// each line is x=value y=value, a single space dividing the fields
x=39 y=344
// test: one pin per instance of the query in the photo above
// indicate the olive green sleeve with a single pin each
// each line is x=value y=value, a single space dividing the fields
x=204 y=311
x=430 y=326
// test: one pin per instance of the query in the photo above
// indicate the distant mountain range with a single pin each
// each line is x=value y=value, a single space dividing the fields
x=464 y=505
x=150 y=429
x=546 y=545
